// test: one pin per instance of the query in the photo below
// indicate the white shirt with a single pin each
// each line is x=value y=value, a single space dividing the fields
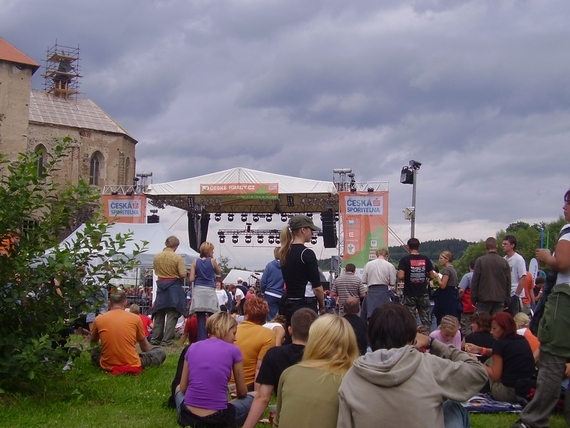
x=379 y=271
x=518 y=270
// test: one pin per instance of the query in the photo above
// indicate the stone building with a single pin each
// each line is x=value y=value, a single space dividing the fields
x=102 y=154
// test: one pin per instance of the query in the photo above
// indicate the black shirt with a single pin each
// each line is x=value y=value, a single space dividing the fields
x=359 y=326
x=300 y=267
x=518 y=362
x=416 y=268
x=276 y=360
x=481 y=338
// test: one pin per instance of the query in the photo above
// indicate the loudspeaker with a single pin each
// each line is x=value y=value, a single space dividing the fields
x=329 y=229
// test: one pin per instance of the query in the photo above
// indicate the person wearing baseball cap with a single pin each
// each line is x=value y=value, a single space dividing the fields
x=300 y=267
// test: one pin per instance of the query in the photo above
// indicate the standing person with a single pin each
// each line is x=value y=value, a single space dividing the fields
x=347 y=285
x=528 y=298
x=313 y=383
x=202 y=398
x=272 y=284
x=203 y=274
x=221 y=295
x=300 y=267
x=491 y=282
x=553 y=334
x=119 y=332
x=518 y=273
x=278 y=359
x=398 y=386
x=379 y=275
x=464 y=292
x=415 y=269
x=446 y=298
x=170 y=303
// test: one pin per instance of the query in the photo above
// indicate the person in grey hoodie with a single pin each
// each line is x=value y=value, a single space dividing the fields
x=397 y=385
x=272 y=285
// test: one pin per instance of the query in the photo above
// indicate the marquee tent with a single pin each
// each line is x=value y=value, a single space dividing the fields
x=242 y=190
x=154 y=233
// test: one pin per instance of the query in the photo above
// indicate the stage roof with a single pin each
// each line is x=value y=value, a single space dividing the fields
x=242 y=190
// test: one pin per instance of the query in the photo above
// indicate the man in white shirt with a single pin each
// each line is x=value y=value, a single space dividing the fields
x=518 y=273
x=379 y=275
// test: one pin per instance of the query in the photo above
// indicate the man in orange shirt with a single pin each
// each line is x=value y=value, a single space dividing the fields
x=119 y=332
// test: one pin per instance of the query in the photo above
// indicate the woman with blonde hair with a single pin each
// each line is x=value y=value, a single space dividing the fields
x=313 y=383
x=201 y=398
x=446 y=297
x=203 y=273
x=300 y=268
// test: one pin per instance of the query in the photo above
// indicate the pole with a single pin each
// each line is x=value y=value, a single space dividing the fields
x=413 y=219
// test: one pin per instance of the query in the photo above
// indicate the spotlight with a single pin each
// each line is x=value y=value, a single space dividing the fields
x=310 y=215
x=260 y=239
x=217 y=216
x=222 y=239
x=336 y=217
x=314 y=240
x=255 y=217
x=235 y=239
x=230 y=217
x=244 y=217
x=248 y=239
x=271 y=239
x=268 y=217
x=114 y=193
x=283 y=218
x=277 y=240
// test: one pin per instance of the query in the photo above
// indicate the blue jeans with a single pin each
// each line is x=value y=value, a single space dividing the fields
x=455 y=415
x=241 y=406
x=273 y=303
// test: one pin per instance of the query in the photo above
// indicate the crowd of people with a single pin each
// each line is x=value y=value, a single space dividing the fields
x=361 y=365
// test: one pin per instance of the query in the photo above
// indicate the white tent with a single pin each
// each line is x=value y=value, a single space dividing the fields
x=248 y=276
x=154 y=233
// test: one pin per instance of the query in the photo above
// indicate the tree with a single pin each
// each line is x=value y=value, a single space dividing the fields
x=224 y=264
x=33 y=314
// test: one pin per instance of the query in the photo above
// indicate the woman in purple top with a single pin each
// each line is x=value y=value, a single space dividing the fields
x=202 y=396
x=203 y=273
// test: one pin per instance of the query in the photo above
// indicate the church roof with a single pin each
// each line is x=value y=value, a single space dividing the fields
x=11 y=54
x=73 y=112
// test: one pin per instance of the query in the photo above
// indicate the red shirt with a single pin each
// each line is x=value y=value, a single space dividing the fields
x=146 y=322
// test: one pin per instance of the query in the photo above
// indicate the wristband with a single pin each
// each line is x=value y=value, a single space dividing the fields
x=484 y=351
x=430 y=340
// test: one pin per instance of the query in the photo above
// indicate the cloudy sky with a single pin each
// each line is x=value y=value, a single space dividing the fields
x=477 y=91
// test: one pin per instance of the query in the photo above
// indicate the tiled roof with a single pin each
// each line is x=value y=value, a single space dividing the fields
x=75 y=113
x=10 y=53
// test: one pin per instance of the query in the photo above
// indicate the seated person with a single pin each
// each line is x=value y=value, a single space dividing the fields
x=146 y=321
x=278 y=359
x=119 y=332
x=522 y=321
x=512 y=358
x=278 y=327
x=351 y=309
x=448 y=331
x=201 y=398
x=253 y=339
x=190 y=330
x=397 y=386
x=481 y=334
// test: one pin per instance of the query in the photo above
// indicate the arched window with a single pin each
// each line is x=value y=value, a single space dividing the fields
x=95 y=166
x=41 y=152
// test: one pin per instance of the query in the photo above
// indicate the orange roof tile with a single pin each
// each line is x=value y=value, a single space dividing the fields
x=10 y=53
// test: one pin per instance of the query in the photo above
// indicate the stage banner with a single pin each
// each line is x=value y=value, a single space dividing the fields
x=242 y=190
x=365 y=225
x=125 y=209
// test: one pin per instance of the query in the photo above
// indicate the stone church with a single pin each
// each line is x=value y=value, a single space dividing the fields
x=102 y=154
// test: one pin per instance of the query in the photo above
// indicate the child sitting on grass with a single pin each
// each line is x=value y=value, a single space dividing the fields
x=448 y=331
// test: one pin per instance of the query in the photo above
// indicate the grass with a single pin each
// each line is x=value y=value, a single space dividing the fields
x=87 y=397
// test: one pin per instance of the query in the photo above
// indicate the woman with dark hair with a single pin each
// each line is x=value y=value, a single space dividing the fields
x=553 y=332
x=253 y=339
x=511 y=358
x=398 y=386
x=481 y=336
x=446 y=297
x=300 y=267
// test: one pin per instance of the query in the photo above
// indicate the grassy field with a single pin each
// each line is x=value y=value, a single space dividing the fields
x=87 y=397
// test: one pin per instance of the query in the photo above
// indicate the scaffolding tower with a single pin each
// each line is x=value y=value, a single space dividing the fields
x=61 y=77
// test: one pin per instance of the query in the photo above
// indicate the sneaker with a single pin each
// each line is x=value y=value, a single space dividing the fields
x=520 y=424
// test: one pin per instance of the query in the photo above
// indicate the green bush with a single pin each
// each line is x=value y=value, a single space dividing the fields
x=32 y=311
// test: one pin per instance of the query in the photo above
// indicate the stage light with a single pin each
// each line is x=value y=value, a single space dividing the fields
x=268 y=217
x=255 y=217
x=283 y=218
x=277 y=240
x=260 y=239
x=222 y=239
x=336 y=217
x=271 y=239
x=230 y=217
x=244 y=217
x=310 y=215
x=248 y=239
x=217 y=216
x=314 y=240
x=235 y=239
